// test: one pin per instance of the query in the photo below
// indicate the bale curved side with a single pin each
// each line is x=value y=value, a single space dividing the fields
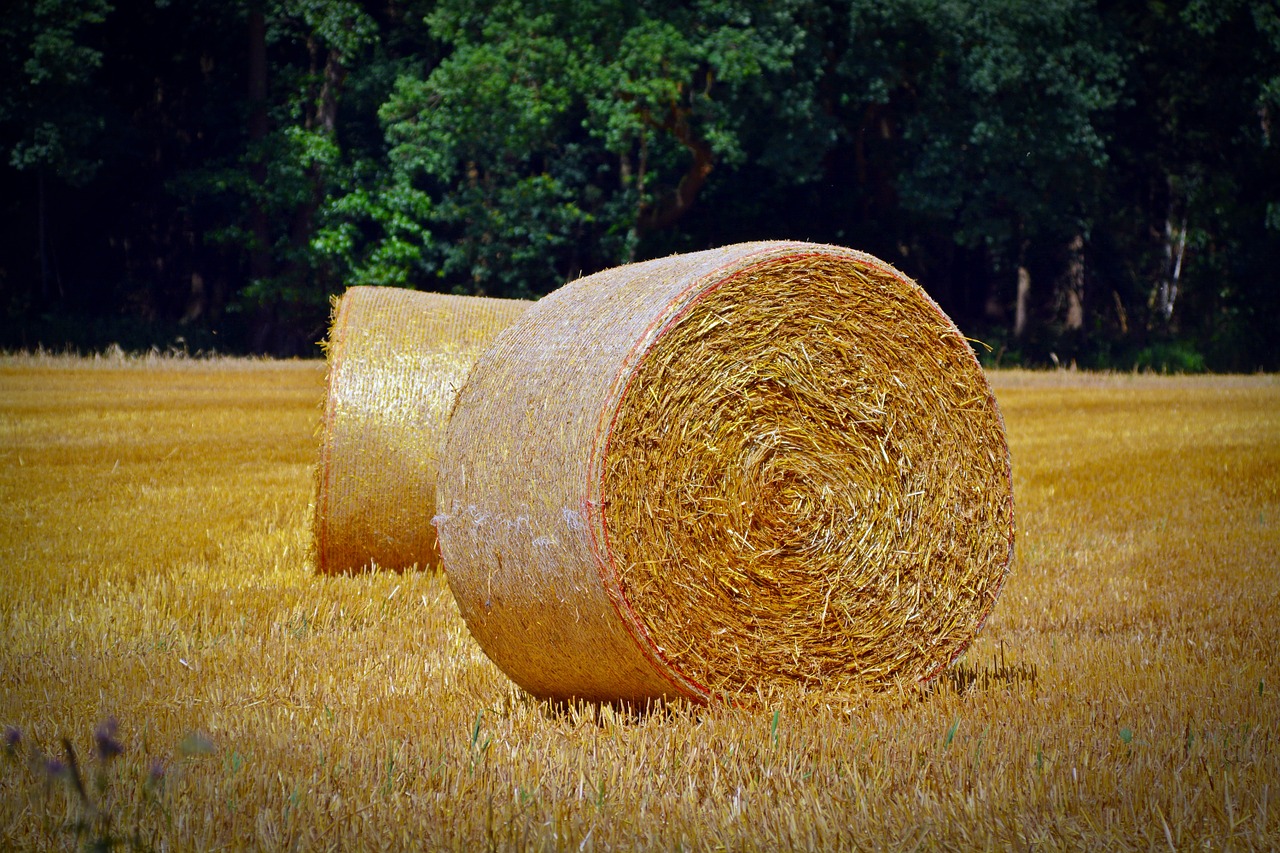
x=396 y=359
x=707 y=475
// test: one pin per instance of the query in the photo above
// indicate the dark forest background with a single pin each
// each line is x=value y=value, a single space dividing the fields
x=1096 y=182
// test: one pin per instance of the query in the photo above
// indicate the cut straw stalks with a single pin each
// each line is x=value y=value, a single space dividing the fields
x=396 y=359
x=712 y=475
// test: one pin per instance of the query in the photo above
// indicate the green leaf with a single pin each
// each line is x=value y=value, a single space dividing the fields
x=951 y=733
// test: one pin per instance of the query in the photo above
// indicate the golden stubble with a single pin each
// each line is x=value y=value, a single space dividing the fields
x=154 y=568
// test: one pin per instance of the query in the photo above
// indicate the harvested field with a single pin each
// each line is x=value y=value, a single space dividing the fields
x=154 y=570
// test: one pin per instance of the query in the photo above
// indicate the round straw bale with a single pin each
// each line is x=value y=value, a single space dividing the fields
x=396 y=359
x=713 y=474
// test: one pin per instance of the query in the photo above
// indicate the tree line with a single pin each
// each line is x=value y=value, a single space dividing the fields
x=1073 y=181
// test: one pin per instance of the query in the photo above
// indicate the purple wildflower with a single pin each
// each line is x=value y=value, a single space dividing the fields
x=104 y=740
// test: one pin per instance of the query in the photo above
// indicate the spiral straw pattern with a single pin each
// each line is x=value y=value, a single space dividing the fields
x=712 y=474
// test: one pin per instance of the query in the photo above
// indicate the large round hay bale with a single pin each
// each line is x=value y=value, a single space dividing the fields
x=396 y=359
x=714 y=474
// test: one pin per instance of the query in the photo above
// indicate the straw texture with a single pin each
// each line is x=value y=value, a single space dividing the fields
x=396 y=359
x=713 y=474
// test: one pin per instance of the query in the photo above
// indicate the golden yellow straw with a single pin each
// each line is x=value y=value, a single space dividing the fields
x=396 y=359
x=711 y=474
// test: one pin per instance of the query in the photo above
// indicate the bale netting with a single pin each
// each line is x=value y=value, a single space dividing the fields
x=718 y=474
x=396 y=359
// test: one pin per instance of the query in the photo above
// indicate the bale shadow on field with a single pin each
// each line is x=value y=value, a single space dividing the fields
x=963 y=677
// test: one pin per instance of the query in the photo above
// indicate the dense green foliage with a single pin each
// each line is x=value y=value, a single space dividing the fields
x=1071 y=180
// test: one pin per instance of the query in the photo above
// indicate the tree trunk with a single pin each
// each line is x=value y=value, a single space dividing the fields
x=1175 y=247
x=325 y=120
x=1021 y=306
x=40 y=236
x=197 y=300
x=335 y=74
x=264 y=321
x=1075 y=284
x=668 y=210
x=260 y=254
x=1165 y=295
x=994 y=306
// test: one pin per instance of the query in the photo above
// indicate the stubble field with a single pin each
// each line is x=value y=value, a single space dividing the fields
x=157 y=600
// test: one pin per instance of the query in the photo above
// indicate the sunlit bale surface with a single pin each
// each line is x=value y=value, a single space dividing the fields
x=707 y=475
x=154 y=567
x=396 y=360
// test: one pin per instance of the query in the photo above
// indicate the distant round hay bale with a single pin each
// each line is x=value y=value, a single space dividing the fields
x=714 y=474
x=396 y=359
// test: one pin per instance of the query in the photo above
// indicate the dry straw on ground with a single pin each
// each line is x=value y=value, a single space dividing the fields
x=396 y=359
x=154 y=531
x=715 y=474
